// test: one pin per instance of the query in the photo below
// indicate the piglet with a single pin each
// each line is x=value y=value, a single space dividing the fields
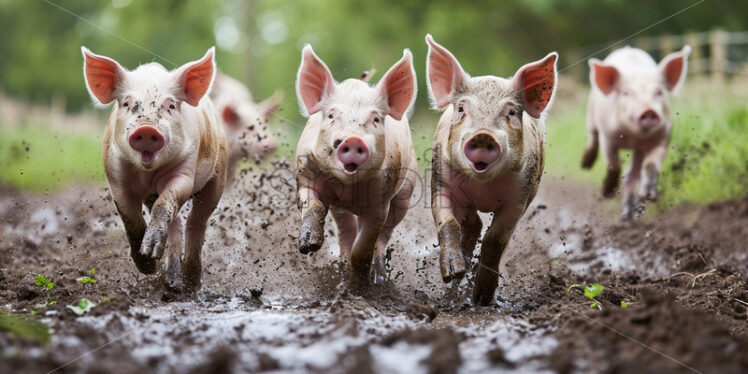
x=488 y=156
x=245 y=122
x=163 y=145
x=355 y=158
x=628 y=108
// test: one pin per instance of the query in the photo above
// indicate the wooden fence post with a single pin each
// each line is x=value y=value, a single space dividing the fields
x=718 y=50
x=695 y=61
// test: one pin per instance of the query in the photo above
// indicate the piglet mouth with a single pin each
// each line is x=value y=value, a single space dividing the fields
x=350 y=168
x=480 y=166
x=146 y=158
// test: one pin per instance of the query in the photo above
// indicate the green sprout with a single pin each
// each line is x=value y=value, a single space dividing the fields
x=43 y=282
x=83 y=307
x=624 y=304
x=86 y=280
x=591 y=291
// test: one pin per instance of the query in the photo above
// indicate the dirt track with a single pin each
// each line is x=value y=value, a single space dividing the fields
x=265 y=307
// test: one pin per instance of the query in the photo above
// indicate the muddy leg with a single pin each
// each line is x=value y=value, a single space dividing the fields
x=613 y=175
x=631 y=181
x=449 y=232
x=370 y=226
x=131 y=212
x=652 y=166
x=203 y=206
x=164 y=211
x=347 y=228
x=590 y=152
x=313 y=213
x=493 y=246
x=172 y=264
x=398 y=210
x=471 y=228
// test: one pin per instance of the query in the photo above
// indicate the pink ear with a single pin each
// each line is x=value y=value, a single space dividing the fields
x=444 y=73
x=195 y=78
x=674 y=67
x=102 y=75
x=398 y=86
x=314 y=81
x=537 y=82
x=604 y=77
x=268 y=106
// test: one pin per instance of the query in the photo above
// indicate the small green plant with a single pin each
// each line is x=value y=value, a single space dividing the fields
x=591 y=291
x=43 y=282
x=86 y=280
x=624 y=304
x=83 y=307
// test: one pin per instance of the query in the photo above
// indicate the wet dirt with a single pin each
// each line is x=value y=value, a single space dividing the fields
x=264 y=307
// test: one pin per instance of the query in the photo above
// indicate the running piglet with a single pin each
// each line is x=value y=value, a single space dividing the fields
x=163 y=145
x=628 y=108
x=488 y=156
x=355 y=158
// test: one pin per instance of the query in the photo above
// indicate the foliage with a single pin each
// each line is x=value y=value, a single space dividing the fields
x=24 y=328
x=83 y=307
x=87 y=280
x=43 y=282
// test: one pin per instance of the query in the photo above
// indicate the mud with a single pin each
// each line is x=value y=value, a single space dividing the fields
x=264 y=307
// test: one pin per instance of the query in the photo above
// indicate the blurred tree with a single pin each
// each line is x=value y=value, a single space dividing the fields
x=259 y=40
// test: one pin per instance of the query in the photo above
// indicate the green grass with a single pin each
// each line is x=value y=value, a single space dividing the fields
x=708 y=156
x=37 y=159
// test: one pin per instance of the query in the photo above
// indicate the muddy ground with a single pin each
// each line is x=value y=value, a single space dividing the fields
x=266 y=308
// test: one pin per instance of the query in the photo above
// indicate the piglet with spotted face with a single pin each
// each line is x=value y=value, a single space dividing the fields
x=488 y=156
x=355 y=158
x=245 y=122
x=628 y=108
x=163 y=144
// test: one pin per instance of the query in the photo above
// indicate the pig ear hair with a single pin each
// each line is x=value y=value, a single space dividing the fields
x=103 y=75
x=314 y=82
x=196 y=78
x=444 y=74
x=674 y=68
x=270 y=105
x=536 y=82
x=604 y=77
x=398 y=86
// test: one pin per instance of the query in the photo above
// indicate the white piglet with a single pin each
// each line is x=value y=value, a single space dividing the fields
x=628 y=108
x=163 y=145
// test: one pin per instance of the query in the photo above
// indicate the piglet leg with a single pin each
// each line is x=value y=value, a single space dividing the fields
x=370 y=227
x=165 y=209
x=172 y=264
x=203 y=206
x=131 y=212
x=313 y=213
x=493 y=246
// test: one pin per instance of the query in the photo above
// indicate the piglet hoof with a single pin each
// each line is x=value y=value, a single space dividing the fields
x=172 y=276
x=588 y=159
x=191 y=274
x=378 y=271
x=651 y=194
x=154 y=242
x=452 y=265
x=144 y=264
x=311 y=238
x=359 y=284
x=485 y=285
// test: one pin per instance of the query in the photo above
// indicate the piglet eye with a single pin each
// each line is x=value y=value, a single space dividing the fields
x=658 y=92
x=329 y=116
x=126 y=104
x=376 y=119
x=512 y=112
x=460 y=109
x=171 y=106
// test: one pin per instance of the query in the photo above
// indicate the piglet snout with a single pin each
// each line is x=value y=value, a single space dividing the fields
x=482 y=150
x=352 y=152
x=649 y=119
x=146 y=139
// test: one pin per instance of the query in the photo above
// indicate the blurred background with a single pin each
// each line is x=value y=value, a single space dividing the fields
x=50 y=133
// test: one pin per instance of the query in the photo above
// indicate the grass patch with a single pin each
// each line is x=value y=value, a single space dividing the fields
x=24 y=328
x=38 y=159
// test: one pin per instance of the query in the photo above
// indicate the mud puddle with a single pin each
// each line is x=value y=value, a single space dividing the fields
x=265 y=307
